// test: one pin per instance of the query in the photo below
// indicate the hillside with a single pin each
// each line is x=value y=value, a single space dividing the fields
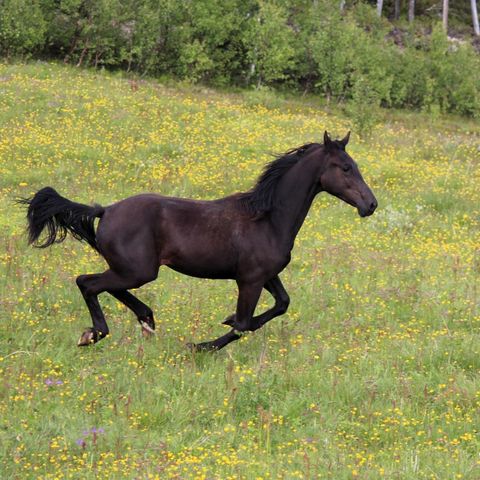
x=372 y=373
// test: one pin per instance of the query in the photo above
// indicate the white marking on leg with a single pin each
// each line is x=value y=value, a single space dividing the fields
x=147 y=327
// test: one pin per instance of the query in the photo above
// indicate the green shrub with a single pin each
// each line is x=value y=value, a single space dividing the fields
x=90 y=32
x=268 y=43
x=453 y=78
x=265 y=96
x=364 y=107
x=194 y=61
x=330 y=45
x=409 y=75
x=22 y=27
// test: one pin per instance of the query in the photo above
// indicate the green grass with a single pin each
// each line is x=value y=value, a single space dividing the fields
x=372 y=373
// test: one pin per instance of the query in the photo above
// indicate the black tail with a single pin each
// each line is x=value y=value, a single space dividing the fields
x=48 y=209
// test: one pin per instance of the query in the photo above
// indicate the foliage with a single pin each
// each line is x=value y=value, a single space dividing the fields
x=263 y=95
x=86 y=32
x=268 y=42
x=296 y=45
x=330 y=45
x=364 y=107
x=453 y=73
x=22 y=27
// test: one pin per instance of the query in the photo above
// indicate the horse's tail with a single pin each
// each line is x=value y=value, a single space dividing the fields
x=47 y=209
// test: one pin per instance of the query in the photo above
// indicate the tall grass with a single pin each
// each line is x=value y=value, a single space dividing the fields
x=372 y=373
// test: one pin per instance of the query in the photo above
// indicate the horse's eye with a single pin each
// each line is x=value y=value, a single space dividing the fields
x=346 y=167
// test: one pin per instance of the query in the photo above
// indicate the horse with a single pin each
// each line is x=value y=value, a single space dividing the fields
x=247 y=237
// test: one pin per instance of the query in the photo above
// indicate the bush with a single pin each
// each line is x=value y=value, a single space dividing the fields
x=22 y=27
x=452 y=75
x=268 y=43
x=331 y=47
x=364 y=107
x=264 y=96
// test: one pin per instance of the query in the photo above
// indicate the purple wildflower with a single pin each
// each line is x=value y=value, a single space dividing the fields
x=49 y=382
x=81 y=443
x=96 y=430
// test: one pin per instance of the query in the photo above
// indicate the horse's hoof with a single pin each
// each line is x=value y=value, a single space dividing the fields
x=230 y=320
x=87 y=338
x=201 y=347
x=147 y=330
x=237 y=328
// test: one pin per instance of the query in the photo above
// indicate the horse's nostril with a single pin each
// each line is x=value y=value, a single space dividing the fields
x=373 y=205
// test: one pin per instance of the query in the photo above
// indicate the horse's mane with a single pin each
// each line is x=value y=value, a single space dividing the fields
x=259 y=200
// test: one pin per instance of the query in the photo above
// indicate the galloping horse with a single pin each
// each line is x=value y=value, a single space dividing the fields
x=246 y=237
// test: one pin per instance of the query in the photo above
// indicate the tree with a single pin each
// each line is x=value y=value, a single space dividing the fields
x=397 y=10
x=475 y=17
x=379 y=7
x=445 y=15
x=268 y=42
x=411 y=10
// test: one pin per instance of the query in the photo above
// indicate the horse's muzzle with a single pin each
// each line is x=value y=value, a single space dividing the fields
x=369 y=209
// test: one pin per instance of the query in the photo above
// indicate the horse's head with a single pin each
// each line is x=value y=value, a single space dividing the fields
x=342 y=178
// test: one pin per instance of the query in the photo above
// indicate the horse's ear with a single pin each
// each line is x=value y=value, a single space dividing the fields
x=344 y=141
x=326 y=140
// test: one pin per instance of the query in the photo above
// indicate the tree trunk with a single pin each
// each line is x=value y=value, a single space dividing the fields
x=342 y=5
x=379 y=7
x=397 y=9
x=82 y=55
x=445 y=15
x=411 y=10
x=475 y=17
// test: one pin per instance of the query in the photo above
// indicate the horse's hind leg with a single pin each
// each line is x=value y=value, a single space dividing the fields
x=92 y=285
x=143 y=312
x=100 y=327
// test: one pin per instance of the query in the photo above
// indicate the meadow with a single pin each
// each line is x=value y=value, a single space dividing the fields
x=373 y=371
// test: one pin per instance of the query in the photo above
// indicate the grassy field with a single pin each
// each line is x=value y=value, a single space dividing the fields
x=372 y=373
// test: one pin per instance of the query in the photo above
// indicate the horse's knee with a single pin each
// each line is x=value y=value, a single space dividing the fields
x=86 y=284
x=81 y=282
x=283 y=303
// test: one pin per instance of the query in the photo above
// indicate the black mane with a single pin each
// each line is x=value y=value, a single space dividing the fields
x=259 y=200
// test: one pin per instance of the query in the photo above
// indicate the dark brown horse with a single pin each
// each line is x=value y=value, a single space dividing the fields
x=246 y=237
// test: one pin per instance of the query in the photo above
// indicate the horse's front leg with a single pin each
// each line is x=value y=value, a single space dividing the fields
x=248 y=295
x=216 y=344
x=275 y=287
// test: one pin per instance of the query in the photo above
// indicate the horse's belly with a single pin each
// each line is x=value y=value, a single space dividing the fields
x=202 y=264
x=203 y=271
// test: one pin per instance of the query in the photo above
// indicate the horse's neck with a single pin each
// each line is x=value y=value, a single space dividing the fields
x=294 y=197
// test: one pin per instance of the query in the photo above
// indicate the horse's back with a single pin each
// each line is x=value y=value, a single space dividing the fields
x=199 y=238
